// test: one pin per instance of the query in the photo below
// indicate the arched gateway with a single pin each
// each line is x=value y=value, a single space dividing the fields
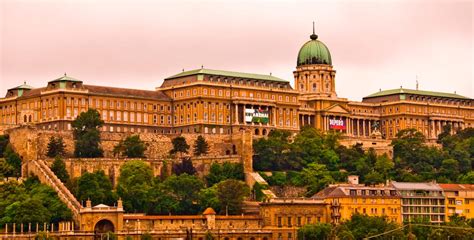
x=102 y=227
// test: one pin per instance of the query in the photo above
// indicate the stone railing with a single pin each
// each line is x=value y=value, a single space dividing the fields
x=46 y=176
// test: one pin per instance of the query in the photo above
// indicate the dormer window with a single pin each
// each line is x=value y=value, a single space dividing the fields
x=73 y=85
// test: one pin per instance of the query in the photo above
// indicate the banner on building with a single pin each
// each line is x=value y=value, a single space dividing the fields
x=256 y=116
x=338 y=124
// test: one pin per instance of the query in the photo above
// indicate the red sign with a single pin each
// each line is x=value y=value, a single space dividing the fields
x=337 y=124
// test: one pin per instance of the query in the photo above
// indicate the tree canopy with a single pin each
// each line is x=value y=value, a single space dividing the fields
x=56 y=147
x=87 y=134
x=95 y=186
x=201 y=147
x=131 y=147
x=179 y=145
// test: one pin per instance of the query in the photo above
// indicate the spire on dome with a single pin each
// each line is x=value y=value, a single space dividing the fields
x=313 y=36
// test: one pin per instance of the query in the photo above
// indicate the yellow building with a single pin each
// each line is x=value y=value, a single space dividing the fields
x=347 y=199
x=209 y=101
x=459 y=199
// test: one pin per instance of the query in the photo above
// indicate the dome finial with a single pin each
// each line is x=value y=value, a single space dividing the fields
x=313 y=36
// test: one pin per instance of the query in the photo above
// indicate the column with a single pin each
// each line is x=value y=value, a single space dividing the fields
x=309 y=119
x=349 y=126
x=370 y=127
x=243 y=114
x=432 y=129
x=236 y=114
x=438 y=130
x=363 y=127
x=274 y=116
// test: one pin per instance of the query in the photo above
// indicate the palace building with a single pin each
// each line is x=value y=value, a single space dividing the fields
x=223 y=102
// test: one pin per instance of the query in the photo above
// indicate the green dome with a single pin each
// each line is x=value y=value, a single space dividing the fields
x=314 y=52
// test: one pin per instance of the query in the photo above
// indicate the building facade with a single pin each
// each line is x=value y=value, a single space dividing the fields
x=222 y=102
x=459 y=199
x=347 y=199
x=421 y=202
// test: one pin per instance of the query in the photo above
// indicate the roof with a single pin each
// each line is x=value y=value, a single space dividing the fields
x=415 y=92
x=66 y=78
x=342 y=190
x=428 y=186
x=23 y=86
x=101 y=206
x=209 y=211
x=314 y=52
x=227 y=74
x=125 y=92
x=457 y=187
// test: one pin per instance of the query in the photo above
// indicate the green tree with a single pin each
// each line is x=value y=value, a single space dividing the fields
x=201 y=147
x=4 y=141
x=87 y=135
x=384 y=165
x=362 y=226
x=132 y=147
x=231 y=194
x=95 y=186
x=450 y=169
x=208 y=198
x=221 y=172
x=59 y=169
x=13 y=160
x=179 y=145
x=315 y=231
x=316 y=177
x=184 y=189
x=30 y=201
x=467 y=178
x=134 y=183
x=373 y=177
x=56 y=147
x=272 y=153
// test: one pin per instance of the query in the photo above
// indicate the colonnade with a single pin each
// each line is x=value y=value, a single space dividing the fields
x=436 y=126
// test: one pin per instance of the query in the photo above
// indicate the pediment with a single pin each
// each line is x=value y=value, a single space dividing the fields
x=336 y=108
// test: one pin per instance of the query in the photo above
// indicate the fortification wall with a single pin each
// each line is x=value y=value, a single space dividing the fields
x=111 y=166
x=32 y=143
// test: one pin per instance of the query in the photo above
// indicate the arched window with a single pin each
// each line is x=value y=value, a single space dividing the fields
x=314 y=87
x=24 y=118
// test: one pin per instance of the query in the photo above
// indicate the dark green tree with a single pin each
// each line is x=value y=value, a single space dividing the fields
x=315 y=231
x=231 y=194
x=362 y=226
x=185 y=166
x=56 y=147
x=134 y=184
x=184 y=189
x=30 y=201
x=179 y=145
x=97 y=187
x=87 y=134
x=201 y=147
x=59 y=168
x=131 y=147
x=208 y=198
x=13 y=160
x=4 y=141
x=272 y=153
x=221 y=172
x=316 y=177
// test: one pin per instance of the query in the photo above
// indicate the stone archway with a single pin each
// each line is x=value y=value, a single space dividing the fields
x=103 y=226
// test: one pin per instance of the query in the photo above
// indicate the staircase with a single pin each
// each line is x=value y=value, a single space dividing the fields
x=46 y=176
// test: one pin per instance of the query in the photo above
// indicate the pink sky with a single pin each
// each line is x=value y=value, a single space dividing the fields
x=137 y=43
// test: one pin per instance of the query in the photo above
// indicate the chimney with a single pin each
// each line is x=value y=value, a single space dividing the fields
x=353 y=179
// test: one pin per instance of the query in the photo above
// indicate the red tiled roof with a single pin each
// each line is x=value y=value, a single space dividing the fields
x=126 y=92
x=457 y=187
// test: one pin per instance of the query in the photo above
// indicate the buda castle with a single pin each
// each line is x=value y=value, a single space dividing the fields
x=209 y=101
